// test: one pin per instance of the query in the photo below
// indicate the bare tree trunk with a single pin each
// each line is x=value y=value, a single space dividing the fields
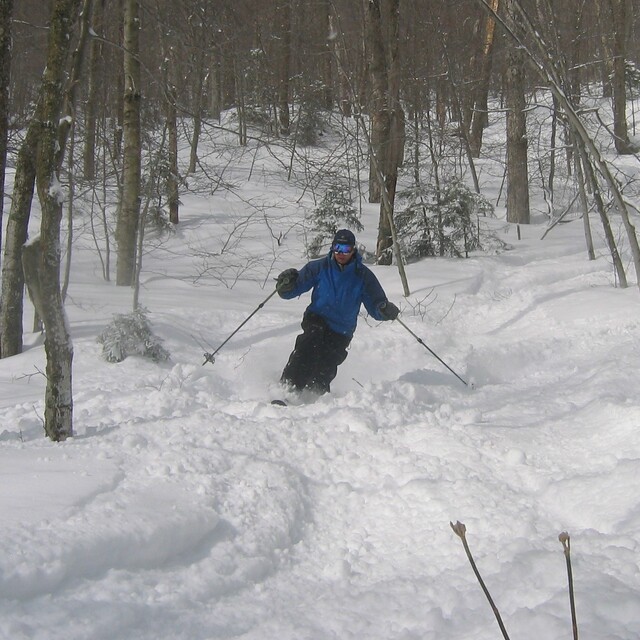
x=173 y=196
x=387 y=117
x=11 y=303
x=517 y=171
x=117 y=106
x=479 y=118
x=94 y=83
x=66 y=276
x=42 y=258
x=324 y=13
x=6 y=9
x=240 y=102
x=456 y=106
x=214 y=83
x=604 y=218
x=283 y=17
x=129 y=214
x=346 y=93
x=379 y=105
x=606 y=53
x=585 y=206
x=197 y=114
x=621 y=135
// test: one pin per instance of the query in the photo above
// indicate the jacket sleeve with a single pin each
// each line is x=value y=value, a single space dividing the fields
x=307 y=279
x=373 y=295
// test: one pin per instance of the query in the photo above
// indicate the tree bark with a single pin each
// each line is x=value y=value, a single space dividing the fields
x=6 y=10
x=606 y=53
x=42 y=258
x=94 y=82
x=283 y=18
x=324 y=11
x=197 y=113
x=588 y=236
x=387 y=117
x=479 y=118
x=173 y=196
x=379 y=105
x=517 y=143
x=129 y=213
x=620 y=132
x=11 y=303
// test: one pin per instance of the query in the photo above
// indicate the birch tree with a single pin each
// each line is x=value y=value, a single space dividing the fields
x=41 y=258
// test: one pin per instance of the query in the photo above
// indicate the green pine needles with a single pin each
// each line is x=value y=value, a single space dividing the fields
x=441 y=221
x=130 y=334
x=335 y=211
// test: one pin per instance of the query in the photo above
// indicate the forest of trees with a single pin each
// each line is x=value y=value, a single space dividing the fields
x=96 y=94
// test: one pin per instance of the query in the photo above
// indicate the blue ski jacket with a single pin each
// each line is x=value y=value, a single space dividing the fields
x=338 y=291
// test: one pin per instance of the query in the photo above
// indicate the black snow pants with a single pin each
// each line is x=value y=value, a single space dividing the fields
x=314 y=361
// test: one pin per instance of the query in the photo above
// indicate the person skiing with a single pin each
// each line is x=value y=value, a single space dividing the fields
x=340 y=283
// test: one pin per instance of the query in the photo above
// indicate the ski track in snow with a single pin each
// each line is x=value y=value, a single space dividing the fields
x=189 y=507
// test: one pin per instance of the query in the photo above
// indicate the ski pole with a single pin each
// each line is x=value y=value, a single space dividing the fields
x=210 y=357
x=434 y=354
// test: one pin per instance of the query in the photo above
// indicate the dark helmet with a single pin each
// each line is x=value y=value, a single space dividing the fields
x=344 y=236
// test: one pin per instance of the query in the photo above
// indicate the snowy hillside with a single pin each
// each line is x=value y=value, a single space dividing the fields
x=188 y=507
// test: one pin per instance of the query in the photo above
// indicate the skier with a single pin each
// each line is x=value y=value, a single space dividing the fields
x=340 y=283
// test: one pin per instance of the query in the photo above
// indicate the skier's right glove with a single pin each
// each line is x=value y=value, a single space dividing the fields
x=287 y=281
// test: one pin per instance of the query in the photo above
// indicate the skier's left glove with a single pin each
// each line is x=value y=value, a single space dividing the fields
x=388 y=310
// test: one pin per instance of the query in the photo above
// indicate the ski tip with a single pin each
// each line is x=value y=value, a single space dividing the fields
x=279 y=403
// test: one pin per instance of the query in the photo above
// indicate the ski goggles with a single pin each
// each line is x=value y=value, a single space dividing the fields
x=339 y=247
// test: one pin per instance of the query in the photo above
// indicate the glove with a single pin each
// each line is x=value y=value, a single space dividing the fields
x=388 y=310
x=287 y=281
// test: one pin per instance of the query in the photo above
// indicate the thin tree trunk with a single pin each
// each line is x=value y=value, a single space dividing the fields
x=128 y=219
x=379 y=108
x=240 y=106
x=606 y=53
x=6 y=10
x=456 y=105
x=173 y=197
x=324 y=13
x=346 y=93
x=11 y=303
x=604 y=218
x=621 y=134
x=585 y=207
x=479 y=118
x=42 y=259
x=283 y=16
x=94 y=83
x=197 y=115
x=69 y=244
x=517 y=170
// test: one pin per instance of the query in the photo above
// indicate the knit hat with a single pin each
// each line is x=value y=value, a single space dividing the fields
x=344 y=236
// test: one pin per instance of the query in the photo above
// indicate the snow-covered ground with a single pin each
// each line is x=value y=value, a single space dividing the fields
x=189 y=507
